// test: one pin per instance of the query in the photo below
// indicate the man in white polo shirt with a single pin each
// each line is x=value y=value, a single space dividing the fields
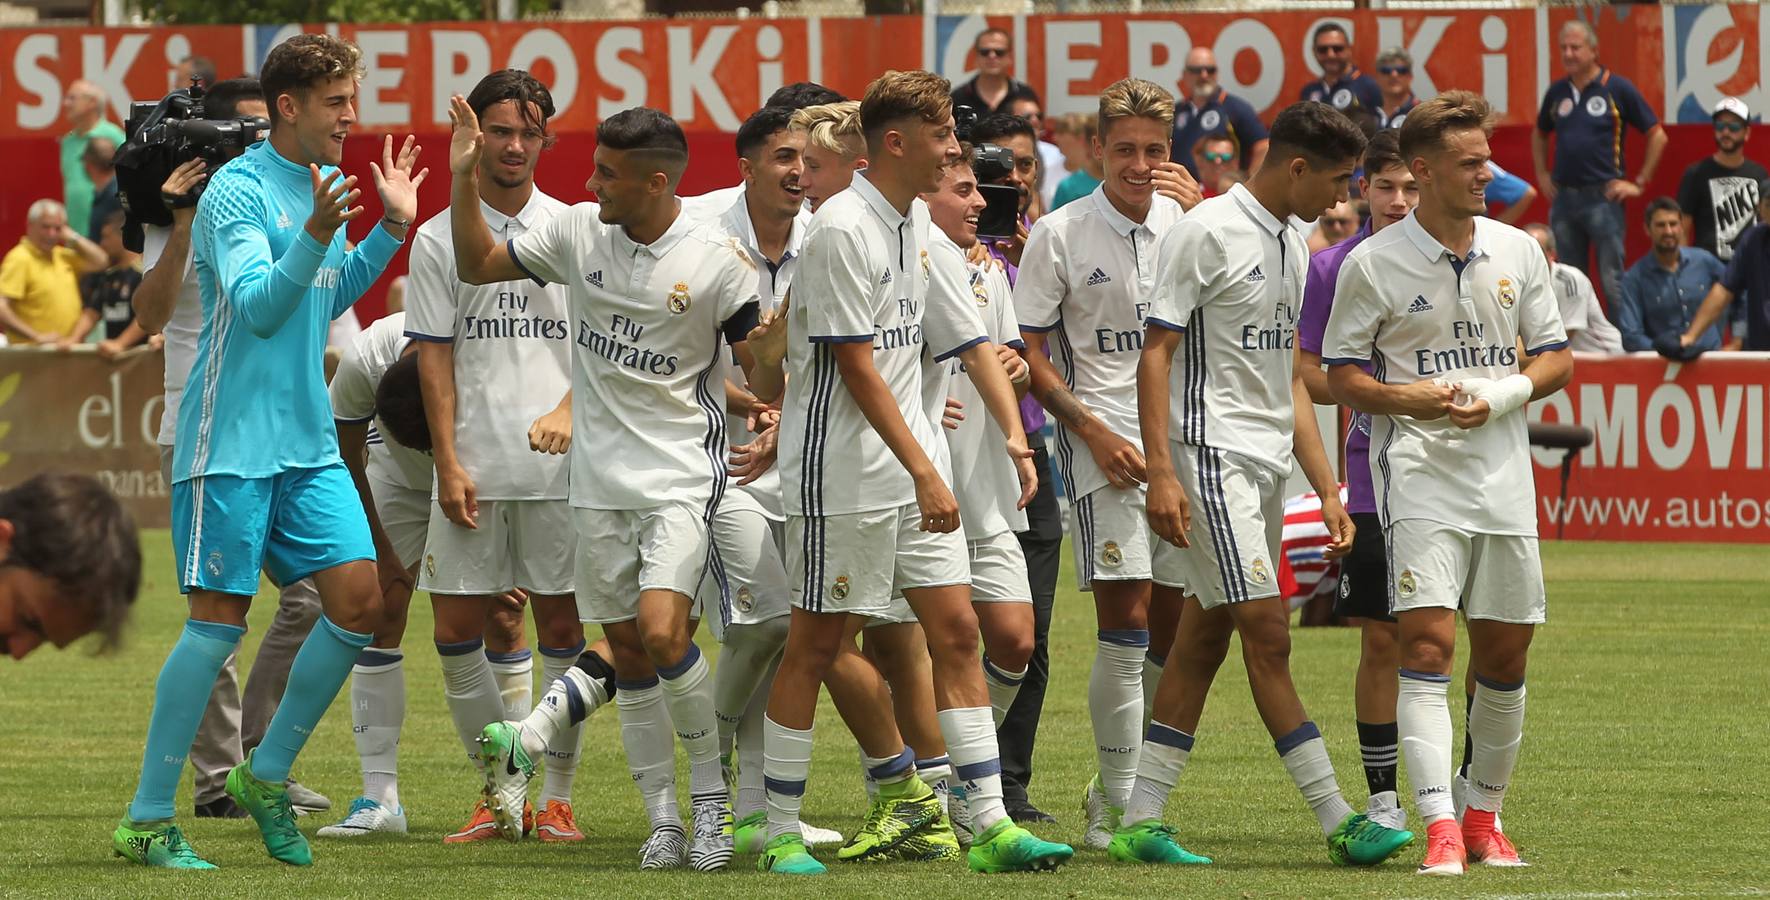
x=654 y=298
x=1439 y=306
x=1084 y=286
x=1220 y=439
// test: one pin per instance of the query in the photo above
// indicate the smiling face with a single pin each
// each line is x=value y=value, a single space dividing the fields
x=1578 y=55
x=1454 y=177
x=45 y=230
x=624 y=182
x=1333 y=52
x=1215 y=158
x=774 y=177
x=1392 y=194
x=954 y=208
x=513 y=143
x=925 y=149
x=1131 y=149
x=321 y=116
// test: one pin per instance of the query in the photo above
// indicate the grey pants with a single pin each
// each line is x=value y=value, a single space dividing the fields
x=233 y=724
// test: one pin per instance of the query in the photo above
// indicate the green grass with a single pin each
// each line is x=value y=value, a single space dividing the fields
x=1643 y=771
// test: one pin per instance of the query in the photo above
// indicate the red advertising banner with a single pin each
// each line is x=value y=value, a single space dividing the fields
x=1679 y=450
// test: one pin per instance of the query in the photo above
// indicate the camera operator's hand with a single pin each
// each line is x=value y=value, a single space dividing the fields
x=466 y=142
x=1012 y=249
x=397 y=185
x=180 y=184
x=1173 y=180
x=332 y=199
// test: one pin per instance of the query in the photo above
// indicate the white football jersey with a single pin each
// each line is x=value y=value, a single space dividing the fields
x=181 y=331
x=1232 y=280
x=649 y=329
x=864 y=278
x=772 y=284
x=1415 y=312
x=366 y=358
x=710 y=206
x=951 y=325
x=1085 y=278
x=512 y=354
x=984 y=478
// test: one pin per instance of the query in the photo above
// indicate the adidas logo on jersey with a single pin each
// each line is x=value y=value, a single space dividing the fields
x=594 y=278
x=1420 y=304
x=1099 y=277
x=283 y=219
x=887 y=278
x=1256 y=276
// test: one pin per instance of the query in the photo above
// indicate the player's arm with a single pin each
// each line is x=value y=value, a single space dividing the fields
x=132 y=336
x=1546 y=361
x=1311 y=452
x=1713 y=307
x=1511 y=214
x=353 y=446
x=398 y=186
x=1168 y=510
x=157 y=295
x=455 y=491
x=478 y=258
x=9 y=319
x=1318 y=302
x=1539 y=149
x=854 y=363
x=983 y=365
x=265 y=292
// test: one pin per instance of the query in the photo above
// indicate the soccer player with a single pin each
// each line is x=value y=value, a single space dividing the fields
x=878 y=516
x=650 y=294
x=1222 y=434
x=70 y=563
x=1438 y=307
x=495 y=360
x=1364 y=575
x=1085 y=281
x=258 y=481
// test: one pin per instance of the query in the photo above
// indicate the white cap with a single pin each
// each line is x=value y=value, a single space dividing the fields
x=1735 y=106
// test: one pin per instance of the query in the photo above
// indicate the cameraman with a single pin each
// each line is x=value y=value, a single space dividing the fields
x=167 y=303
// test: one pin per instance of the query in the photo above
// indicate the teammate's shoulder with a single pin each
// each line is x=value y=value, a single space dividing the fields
x=1499 y=236
x=437 y=227
x=717 y=242
x=1380 y=243
x=388 y=328
x=544 y=202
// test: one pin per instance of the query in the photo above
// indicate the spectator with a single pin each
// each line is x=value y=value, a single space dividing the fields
x=1052 y=163
x=84 y=107
x=1213 y=159
x=1015 y=133
x=994 y=89
x=101 y=169
x=1662 y=292
x=1337 y=224
x=1747 y=281
x=39 y=278
x=1585 y=112
x=1588 y=330
x=109 y=295
x=200 y=67
x=1395 y=77
x=1341 y=85
x=1509 y=191
x=1089 y=171
x=1719 y=193
x=1204 y=108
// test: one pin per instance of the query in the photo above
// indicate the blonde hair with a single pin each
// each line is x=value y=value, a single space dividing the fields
x=1134 y=98
x=832 y=127
x=895 y=96
x=1429 y=123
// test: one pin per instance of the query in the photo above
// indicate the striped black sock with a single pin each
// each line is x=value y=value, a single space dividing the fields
x=1378 y=744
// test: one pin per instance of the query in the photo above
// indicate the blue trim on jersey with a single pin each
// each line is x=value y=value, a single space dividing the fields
x=839 y=338
x=1042 y=329
x=1163 y=323
x=510 y=248
x=1431 y=677
x=1345 y=361
x=1015 y=343
x=1305 y=733
x=714 y=445
x=1558 y=345
x=643 y=684
x=812 y=545
x=961 y=348
x=430 y=338
x=1168 y=735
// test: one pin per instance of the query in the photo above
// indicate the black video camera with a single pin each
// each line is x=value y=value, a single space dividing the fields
x=992 y=164
x=165 y=134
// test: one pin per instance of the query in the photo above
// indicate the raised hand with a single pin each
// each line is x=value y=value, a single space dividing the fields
x=466 y=142
x=1174 y=180
x=178 y=185
x=332 y=199
x=395 y=182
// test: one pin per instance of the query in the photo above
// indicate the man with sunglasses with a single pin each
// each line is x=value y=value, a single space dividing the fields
x=1342 y=85
x=1215 y=159
x=994 y=89
x=1205 y=110
x=1719 y=193
x=1395 y=77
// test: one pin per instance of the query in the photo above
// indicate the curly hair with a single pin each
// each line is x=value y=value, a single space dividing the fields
x=305 y=61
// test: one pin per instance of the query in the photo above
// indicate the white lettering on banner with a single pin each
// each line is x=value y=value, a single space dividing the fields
x=380 y=76
x=458 y=60
x=1703 y=74
x=1718 y=430
x=1251 y=34
x=1754 y=426
x=1669 y=456
x=150 y=418
x=1614 y=413
x=1145 y=39
x=1496 y=81
x=770 y=70
x=692 y=75
x=1061 y=70
x=107 y=71
x=1392 y=32
x=28 y=71
x=951 y=64
x=545 y=43
x=617 y=72
x=1614 y=427
x=100 y=409
x=176 y=48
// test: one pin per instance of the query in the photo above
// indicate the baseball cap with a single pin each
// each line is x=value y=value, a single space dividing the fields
x=1735 y=106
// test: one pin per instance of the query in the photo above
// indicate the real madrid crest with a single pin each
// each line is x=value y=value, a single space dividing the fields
x=430 y=564
x=1405 y=585
x=746 y=601
x=1257 y=572
x=1111 y=555
x=926 y=268
x=977 y=291
x=839 y=590
x=1507 y=296
x=679 y=299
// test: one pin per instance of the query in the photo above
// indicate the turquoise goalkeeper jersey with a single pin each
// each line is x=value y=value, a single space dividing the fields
x=256 y=402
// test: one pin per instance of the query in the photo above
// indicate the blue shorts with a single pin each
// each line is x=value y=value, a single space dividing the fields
x=291 y=525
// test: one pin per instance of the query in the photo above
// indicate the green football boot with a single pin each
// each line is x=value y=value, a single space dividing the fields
x=1007 y=847
x=268 y=805
x=1151 y=842
x=901 y=811
x=1360 y=842
x=786 y=855
x=158 y=845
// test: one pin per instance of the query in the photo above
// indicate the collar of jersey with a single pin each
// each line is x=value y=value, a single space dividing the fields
x=1260 y=214
x=498 y=222
x=737 y=219
x=283 y=163
x=1429 y=246
x=881 y=206
x=656 y=249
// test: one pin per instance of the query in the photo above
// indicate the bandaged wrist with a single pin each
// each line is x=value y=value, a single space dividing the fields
x=1507 y=395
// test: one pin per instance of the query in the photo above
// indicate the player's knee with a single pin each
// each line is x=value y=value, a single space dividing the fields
x=1379 y=648
x=955 y=642
x=1011 y=649
x=1266 y=649
x=665 y=646
x=363 y=614
x=1427 y=653
x=565 y=632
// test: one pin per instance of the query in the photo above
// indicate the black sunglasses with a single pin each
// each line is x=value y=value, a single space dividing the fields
x=1395 y=70
x=1333 y=49
x=1201 y=70
x=1734 y=127
x=993 y=51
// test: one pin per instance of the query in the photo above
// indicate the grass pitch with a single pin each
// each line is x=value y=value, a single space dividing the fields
x=1643 y=771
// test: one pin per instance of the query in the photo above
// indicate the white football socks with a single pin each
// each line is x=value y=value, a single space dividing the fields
x=515 y=672
x=1115 y=704
x=1496 y=725
x=786 y=764
x=1003 y=687
x=377 y=709
x=1159 y=764
x=471 y=691
x=562 y=748
x=651 y=751
x=752 y=795
x=1423 y=720
x=977 y=764
x=1305 y=756
x=688 y=691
